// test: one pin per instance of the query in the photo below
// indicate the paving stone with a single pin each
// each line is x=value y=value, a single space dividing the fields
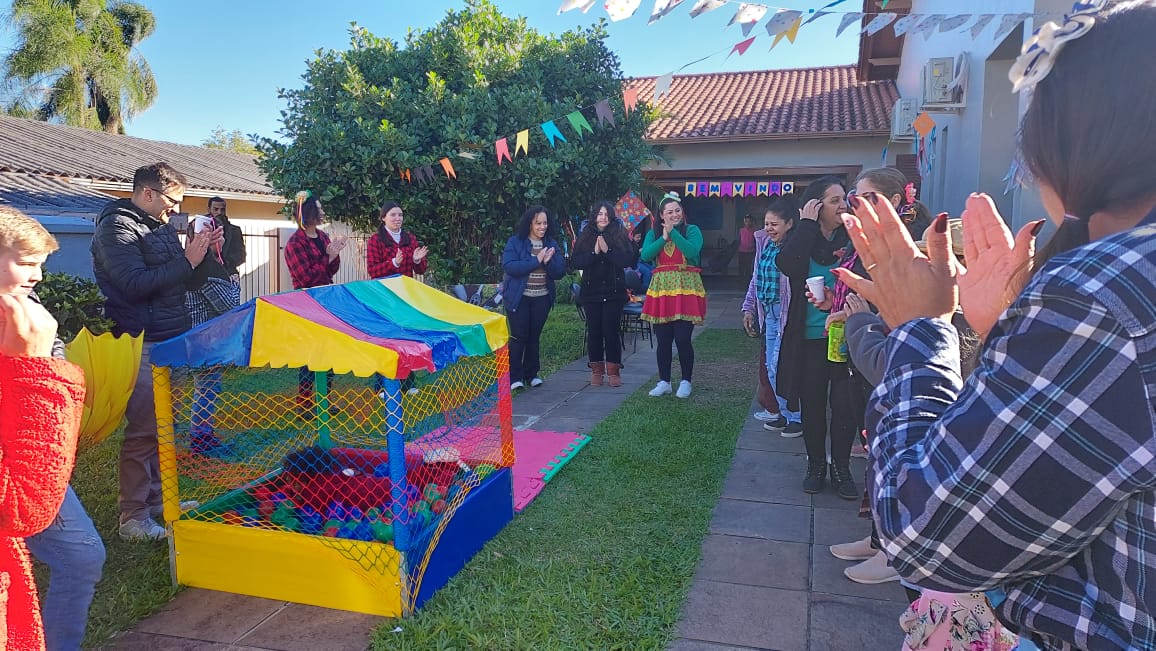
x=827 y=576
x=754 y=437
x=539 y=401
x=210 y=616
x=763 y=618
x=839 y=622
x=751 y=561
x=302 y=628
x=137 y=641
x=766 y=477
x=683 y=644
x=762 y=520
x=566 y=423
x=833 y=527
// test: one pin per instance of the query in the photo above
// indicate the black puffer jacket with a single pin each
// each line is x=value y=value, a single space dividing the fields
x=141 y=269
x=603 y=275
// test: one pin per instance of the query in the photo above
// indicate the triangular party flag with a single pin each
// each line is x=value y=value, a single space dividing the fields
x=448 y=168
x=819 y=13
x=980 y=23
x=427 y=173
x=578 y=121
x=408 y=176
x=714 y=189
x=884 y=5
x=502 y=149
x=662 y=8
x=630 y=98
x=776 y=187
x=878 y=23
x=905 y=23
x=791 y=33
x=750 y=189
x=848 y=18
x=620 y=9
x=568 y=5
x=742 y=47
x=522 y=142
x=662 y=86
x=738 y=189
x=727 y=188
x=1007 y=25
x=603 y=113
x=550 y=130
x=747 y=15
x=689 y=190
x=781 y=21
x=703 y=188
x=764 y=188
x=955 y=22
x=927 y=25
x=468 y=155
x=703 y=6
x=788 y=187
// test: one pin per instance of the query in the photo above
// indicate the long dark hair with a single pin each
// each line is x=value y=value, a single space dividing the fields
x=1088 y=133
x=824 y=251
x=382 y=231
x=890 y=182
x=614 y=234
x=523 y=230
x=310 y=212
x=787 y=208
x=656 y=223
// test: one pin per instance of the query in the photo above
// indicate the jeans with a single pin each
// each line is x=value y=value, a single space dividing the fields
x=74 y=554
x=774 y=341
x=603 y=322
x=140 y=468
x=526 y=325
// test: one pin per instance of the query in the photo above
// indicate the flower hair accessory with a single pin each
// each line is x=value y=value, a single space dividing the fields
x=673 y=196
x=300 y=199
x=1039 y=53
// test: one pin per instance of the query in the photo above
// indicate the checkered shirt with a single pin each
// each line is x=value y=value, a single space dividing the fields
x=1037 y=475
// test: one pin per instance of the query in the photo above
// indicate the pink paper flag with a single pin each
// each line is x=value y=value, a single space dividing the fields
x=742 y=47
x=502 y=148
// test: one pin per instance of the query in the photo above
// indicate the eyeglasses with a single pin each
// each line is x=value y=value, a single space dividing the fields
x=171 y=201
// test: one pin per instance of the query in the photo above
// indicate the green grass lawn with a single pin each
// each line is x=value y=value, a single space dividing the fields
x=603 y=558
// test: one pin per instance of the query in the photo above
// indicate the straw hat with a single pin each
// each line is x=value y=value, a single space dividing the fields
x=956 y=226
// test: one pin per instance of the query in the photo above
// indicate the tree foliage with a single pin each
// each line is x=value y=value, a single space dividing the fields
x=231 y=140
x=75 y=61
x=475 y=77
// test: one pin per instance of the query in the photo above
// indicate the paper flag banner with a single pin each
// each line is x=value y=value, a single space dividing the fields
x=578 y=121
x=703 y=6
x=408 y=176
x=603 y=113
x=702 y=189
x=550 y=130
x=742 y=47
x=448 y=168
x=819 y=13
x=776 y=187
x=630 y=99
x=955 y=22
x=781 y=21
x=662 y=86
x=662 y=8
x=764 y=188
x=791 y=33
x=727 y=188
x=788 y=187
x=1007 y=25
x=468 y=155
x=738 y=189
x=747 y=15
x=522 y=142
x=927 y=25
x=427 y=173
x=923 y=124
x=884 y=5
x=621 y=9
x=689 y=189
x=980 y=23
x=714 y=189
x=568 y=5
x=848 y=18
x=750 y=189
x=904 y=24
x=878 y=23
x=502 y=149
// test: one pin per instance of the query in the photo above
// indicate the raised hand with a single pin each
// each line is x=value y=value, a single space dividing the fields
x=335 y=247
x=855 y=305
x=420 y=253
x=197 y=245
x=811 y=210
x=26 y=328
x=997 y=265
x=547 y=254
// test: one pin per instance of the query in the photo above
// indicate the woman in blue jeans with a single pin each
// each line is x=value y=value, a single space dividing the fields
x=531 y=263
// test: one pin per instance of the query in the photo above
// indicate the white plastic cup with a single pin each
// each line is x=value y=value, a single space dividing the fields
x=818 y=288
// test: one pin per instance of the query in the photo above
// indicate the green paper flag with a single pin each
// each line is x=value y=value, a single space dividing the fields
x=578 y=121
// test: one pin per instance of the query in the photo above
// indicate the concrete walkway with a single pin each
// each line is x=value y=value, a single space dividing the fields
x=765 y=581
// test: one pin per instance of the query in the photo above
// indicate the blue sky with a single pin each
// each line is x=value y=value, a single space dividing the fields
x=219 y=63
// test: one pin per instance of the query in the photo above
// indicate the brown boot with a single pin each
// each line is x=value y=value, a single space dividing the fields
x=597 y=370
x=612 y=374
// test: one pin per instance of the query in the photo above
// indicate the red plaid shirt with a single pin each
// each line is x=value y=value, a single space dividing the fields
x=382 y=250
x=310 y=266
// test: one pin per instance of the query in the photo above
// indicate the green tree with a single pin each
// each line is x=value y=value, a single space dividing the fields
x=231 y=140
x=378 y=107
x=75 y=61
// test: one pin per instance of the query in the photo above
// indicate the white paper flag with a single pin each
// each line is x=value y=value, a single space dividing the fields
x=955 y=22
x=980 y=23
x=661 y=8
x=662 y=86
x=703 y=6
x=782 y=21
x=904 y=24
x=927 y=25
x=620 y=9
x=747 y=16
x=1008 y=24
x=568 y=5
x=879 y=22
x=848 y=18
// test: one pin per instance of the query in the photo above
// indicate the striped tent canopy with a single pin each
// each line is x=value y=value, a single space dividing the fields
x=392 y=326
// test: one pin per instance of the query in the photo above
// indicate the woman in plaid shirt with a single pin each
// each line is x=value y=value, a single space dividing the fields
x=392 y=250
x=1034 y=480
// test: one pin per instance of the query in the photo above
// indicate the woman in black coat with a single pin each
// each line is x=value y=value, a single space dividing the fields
x=602 y=253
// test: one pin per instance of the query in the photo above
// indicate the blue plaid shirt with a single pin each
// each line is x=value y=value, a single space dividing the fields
x=1037 y=475
x=767 y=275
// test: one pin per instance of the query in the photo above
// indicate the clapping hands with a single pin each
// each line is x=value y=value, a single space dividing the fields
x=197 y=244
x=335 y=247
x=545 y=255
x=600 y=245
x=420 y=253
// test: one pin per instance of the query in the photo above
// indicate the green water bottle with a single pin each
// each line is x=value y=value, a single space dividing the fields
x=836 y=343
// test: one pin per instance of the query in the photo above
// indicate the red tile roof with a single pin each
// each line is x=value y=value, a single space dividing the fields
x=768 y=104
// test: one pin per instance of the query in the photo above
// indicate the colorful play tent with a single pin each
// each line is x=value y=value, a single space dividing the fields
x=346 y=446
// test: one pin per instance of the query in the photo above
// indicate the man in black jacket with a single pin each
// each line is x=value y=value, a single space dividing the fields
x=142 y=270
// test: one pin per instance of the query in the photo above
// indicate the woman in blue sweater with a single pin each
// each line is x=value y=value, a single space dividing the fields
x=531 y=263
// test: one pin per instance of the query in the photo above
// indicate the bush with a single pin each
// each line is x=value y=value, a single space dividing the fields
x=75 y=303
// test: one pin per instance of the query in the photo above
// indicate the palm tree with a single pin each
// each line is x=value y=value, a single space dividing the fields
x=75 y=61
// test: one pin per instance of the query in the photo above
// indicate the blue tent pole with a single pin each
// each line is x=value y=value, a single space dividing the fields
x=395 y=441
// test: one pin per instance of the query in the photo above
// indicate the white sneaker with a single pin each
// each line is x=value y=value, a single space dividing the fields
x=536 y=381
x=860 y=550
x=514 y=386
x=872 y=571
x=142 y=530
x=660 y=389
x=683 y=389
x=765 y=416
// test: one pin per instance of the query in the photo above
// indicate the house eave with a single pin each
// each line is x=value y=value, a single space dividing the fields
x=769 y=137
x=123 y=186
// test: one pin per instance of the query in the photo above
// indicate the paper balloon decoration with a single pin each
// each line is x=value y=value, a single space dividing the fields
x=631 y=210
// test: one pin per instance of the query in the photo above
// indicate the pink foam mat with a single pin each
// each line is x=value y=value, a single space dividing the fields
x=539 y=455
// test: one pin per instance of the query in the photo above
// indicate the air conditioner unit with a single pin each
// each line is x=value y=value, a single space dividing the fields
x=943 y=81
x=902 y=115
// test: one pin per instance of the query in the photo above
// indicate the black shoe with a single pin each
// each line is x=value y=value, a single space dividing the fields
x=816 y=477
x=843 y=483
x=776 y=424
x=792 y=431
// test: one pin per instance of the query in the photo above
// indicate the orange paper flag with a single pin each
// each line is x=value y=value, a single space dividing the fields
x=630 y=99
x=448 y=167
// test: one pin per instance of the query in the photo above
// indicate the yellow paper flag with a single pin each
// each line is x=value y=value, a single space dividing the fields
x=790 y=33
x=522 y=142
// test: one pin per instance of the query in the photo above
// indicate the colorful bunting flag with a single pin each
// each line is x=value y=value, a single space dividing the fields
x=781 y=21
x=904 y=24
x=689 y=190
x=714 y=189
x=550 y=130
x=955 y=22
x=747 y=16
x=662 y=86
x=1008 y=24
x=923 y=124
x=603 y=113
x=750 y=189
x=764 y=189
x=662 y=8
x=927 y=25
x=738 y=189
x=620 y=9
x=822 y=11
x=791 y=33
x=630 y=99
x=788 y=187
x=848 y=18
x=578 y=122
x=878 y=23
x=742 y=47
x=568 y=5
x=776 y=187
x=408 y=176
x=980 y=23
x=448 y=168
x=522 y=142
x=703 y=6
x=727 y=188
x=703 y=188
x=502 y=149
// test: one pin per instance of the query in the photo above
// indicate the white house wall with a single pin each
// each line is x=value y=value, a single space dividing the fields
x=806 y=152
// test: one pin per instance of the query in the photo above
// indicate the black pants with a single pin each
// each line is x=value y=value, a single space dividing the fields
x=860 y=393
x=667 y=335
x=305 y=386
x=603 y=323
x=823 y=380
x=526 y=325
